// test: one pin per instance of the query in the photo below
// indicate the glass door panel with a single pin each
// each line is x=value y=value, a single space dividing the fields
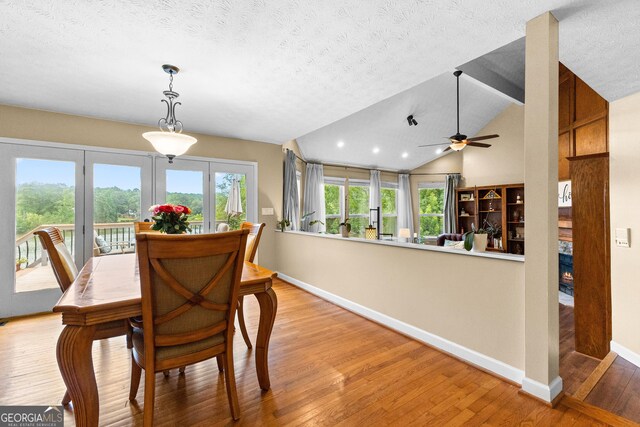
x=231 y=206
x=46 y=190
x=185 y=182
x=119 y=191
x=231 y=199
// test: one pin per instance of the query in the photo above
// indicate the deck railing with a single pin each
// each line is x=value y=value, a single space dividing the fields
x=119 y=236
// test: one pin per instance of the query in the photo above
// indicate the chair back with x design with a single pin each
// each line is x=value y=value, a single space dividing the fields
x=189 y=286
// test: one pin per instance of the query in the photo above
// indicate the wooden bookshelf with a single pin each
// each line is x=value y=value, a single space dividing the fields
x=497 y=205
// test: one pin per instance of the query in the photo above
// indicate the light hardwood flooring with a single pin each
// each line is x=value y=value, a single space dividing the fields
x=327 y=367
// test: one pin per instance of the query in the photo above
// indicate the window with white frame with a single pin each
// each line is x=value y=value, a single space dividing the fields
x=333 y=203
x=431 y=208
x=389 y=202
x=358 y=206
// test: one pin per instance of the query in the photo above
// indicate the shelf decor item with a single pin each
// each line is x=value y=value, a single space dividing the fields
x=515 y=215
x=345 y=228
x=371 y=233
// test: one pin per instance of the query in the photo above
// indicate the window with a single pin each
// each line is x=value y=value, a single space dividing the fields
x=333 y=204
x=431 y=197
x=358 y=206
x=389 y=201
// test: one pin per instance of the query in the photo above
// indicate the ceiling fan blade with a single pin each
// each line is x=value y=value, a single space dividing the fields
x=446 y=149
x=481 y=138
x=433 y=145
x=478 y=144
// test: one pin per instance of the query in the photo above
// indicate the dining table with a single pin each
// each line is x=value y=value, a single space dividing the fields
x=107 y=290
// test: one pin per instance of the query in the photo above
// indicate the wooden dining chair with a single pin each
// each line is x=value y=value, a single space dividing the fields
x=143 y=227
x=189 y=287
x=65 y=270
x=255 y=232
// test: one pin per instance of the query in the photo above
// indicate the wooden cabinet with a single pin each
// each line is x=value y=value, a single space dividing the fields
x=582 y=123
x=499 y=205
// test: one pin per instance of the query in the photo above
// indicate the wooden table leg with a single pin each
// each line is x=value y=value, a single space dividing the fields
x=76 y=366
x=268 y=307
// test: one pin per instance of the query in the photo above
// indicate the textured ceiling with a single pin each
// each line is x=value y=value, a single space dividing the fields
x=384 y=125
x=276 y=70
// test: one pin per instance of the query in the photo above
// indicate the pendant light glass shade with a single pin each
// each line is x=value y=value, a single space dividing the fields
x=170 y=143
x=457 y=146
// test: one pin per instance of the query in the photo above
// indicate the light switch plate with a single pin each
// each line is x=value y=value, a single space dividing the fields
x=622 y=237
x=267 y=211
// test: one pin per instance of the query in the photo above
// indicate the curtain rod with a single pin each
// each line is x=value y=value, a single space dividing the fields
x=368 y=169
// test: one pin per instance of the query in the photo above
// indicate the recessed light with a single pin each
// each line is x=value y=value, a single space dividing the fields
x=439 y=150
x=340 y=144
x=376 y=150
x=405 y=155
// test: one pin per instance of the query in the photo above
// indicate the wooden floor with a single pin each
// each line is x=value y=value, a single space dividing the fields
x=617 y=391
x=327 y=365
x=574 y=367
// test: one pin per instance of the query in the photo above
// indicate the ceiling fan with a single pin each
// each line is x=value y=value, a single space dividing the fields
x=459 y=141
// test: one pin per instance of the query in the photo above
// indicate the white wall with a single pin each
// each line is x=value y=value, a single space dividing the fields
x=624 y=147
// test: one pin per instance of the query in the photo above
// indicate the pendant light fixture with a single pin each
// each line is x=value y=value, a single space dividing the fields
x=170 y=141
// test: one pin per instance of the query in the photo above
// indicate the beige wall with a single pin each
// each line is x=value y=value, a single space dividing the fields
x=503 y=163
x=46 y=126
x=474 y=302
x=624 y=148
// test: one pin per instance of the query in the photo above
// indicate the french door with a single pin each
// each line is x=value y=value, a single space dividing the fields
x=41 y=186
x=118 y=192
x=94 y=197
x=205 y=187
x=185 y=182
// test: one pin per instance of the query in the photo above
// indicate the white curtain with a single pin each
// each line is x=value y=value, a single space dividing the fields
x=374 y=190
x=314 y=198
x=291 y=208
x=405 y=209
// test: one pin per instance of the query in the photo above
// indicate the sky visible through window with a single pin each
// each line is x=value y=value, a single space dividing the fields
x=45 y=172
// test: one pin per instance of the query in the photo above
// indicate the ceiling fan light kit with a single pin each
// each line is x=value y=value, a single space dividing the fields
x=170 y=141
x=459 y=141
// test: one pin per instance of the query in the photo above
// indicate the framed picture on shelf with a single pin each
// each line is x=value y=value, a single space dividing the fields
x=465 y=197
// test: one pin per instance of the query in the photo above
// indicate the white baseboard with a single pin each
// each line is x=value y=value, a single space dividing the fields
x=542 y=391
x=473 y=357
x=625 y=353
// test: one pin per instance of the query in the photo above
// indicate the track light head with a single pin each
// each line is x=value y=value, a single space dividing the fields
x=412 y=121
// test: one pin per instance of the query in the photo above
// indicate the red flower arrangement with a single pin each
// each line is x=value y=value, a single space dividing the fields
x=170 y=219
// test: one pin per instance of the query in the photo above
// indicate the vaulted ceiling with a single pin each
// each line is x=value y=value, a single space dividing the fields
x=277 y=70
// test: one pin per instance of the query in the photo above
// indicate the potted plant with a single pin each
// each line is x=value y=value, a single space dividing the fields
x=345 y=228
x=19 y=263
x=494 y=231
x=284 y=224
x=475 y=240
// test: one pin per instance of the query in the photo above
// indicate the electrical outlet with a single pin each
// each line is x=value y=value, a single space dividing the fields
x=267 y=211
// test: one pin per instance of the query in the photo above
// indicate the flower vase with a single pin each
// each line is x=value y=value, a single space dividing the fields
x=479 y=243
x=343 y=231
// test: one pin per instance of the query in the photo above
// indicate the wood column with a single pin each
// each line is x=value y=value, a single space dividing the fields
x=541 y=209
x=591 y=253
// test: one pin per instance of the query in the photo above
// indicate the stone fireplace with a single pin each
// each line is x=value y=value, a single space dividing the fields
x=565 y=273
